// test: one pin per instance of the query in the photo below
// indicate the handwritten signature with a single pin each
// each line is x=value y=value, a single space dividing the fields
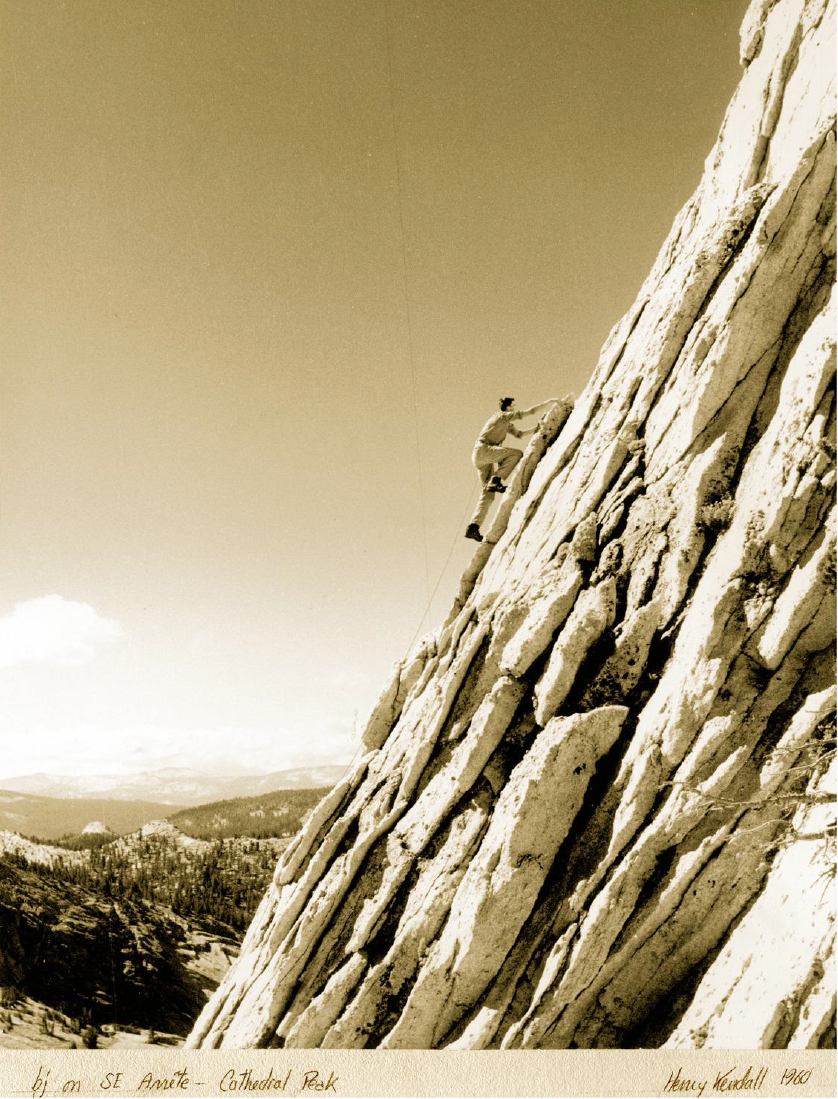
x=750 y=1080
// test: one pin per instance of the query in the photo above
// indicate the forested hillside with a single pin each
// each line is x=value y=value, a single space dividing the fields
x=276 y=814
x=95 y=958
x=95 y=925
x=220 y=881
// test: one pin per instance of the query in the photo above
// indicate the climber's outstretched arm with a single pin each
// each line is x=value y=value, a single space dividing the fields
x=543 y=406
x=535 y=408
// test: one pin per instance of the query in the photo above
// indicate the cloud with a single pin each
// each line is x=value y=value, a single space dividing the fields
x=53 y=630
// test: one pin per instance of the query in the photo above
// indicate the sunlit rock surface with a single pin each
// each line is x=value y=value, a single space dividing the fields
x=593 y=809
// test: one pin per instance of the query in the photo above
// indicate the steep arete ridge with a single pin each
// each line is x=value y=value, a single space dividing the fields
x=593 y=809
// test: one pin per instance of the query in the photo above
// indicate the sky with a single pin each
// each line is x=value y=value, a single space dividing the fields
x=265 y=269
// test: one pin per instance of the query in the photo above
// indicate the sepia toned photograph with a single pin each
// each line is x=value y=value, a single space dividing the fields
x=417 y=620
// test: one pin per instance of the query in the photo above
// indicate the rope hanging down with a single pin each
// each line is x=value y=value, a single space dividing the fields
x=397 y=155
x=405 y=287
x=456 y=539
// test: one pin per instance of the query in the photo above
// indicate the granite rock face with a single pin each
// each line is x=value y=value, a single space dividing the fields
x=581 y=803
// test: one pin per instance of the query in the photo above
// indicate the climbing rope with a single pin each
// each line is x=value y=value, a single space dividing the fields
x=397 y=154
x=444 y=567
x=405 y=285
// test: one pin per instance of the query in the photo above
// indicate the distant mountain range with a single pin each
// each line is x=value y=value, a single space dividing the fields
x=169 y=786
x=51 y=818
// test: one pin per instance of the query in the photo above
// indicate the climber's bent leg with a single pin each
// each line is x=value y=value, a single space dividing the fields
x=507 y=460
x=484 y=461
x=498 y=461
x=493 y=463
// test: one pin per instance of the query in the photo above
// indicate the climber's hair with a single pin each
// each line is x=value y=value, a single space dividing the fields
x=505 y=402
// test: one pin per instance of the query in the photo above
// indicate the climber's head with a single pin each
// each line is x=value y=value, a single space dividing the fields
x=506 y=403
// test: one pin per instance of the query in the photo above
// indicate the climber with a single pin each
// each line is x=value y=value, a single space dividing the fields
x=495 y=462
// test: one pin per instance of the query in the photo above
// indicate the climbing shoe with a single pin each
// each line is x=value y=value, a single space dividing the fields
x=496 y=486
x=473 y=531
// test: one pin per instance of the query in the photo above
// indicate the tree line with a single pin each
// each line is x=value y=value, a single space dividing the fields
x=222 y=884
